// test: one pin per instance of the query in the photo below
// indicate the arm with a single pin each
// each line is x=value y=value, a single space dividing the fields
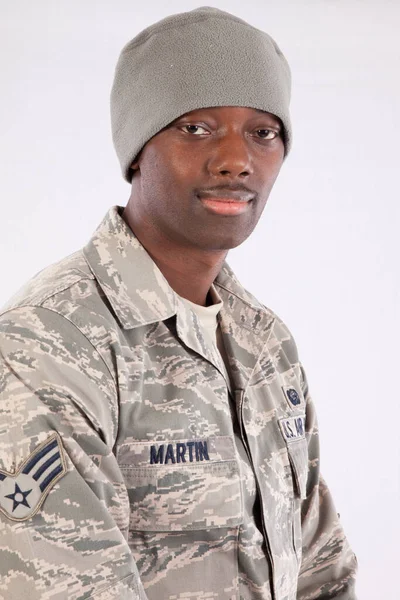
x=328 y=565
x=58 y=397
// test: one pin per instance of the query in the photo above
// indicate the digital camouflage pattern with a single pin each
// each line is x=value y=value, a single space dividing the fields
x=167 y=487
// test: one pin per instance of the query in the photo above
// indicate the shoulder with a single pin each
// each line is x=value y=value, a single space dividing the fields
x=52 y=340
x=64 y=300
x=280 y=342
x=278 y=332
x=50 y=281
x=275 y=326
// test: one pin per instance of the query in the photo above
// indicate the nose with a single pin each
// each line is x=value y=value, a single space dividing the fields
x=231 y=156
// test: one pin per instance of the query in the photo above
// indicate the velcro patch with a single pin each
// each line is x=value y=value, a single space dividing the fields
x=293 y=428
x=23 y=493
x=293 y=398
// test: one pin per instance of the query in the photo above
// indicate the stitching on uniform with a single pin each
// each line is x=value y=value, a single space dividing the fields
x=80 y=331
x=90 y=342
x=162 y=470
x=46 y=492
x=198 y=464
x=231 y=523
x=151 y=442
x=50 y=295
x=298 y=440
x=264 y=310
x=104 y=589
x=237 y=296
x=61 y=288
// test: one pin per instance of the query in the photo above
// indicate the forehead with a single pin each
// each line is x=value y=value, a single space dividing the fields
x=231 y=111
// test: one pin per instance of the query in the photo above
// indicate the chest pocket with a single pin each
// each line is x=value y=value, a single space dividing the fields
x=293 y=431
x=179 y=485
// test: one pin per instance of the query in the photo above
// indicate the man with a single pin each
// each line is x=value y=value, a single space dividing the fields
x=158 y=439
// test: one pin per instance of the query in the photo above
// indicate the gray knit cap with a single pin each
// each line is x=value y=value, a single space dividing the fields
x=198 y=59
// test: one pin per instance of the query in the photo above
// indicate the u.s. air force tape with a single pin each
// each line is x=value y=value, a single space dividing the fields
x=23 y=493
x=293 y=428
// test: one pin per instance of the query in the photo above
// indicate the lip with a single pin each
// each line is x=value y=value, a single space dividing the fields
x=227 y=195
x=225 y=206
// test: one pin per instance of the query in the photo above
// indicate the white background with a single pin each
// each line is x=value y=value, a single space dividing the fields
x=325 y=254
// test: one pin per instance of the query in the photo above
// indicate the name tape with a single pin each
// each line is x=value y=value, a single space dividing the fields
x=192 y=451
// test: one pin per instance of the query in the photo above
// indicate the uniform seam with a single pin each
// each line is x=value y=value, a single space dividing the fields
x=90 y=342
x=252 y=306
x=262 y=308
x=237 y=551
x=43 y=299
x=76 y=327
x=206 y=437
x=108 y=587
x=62 y=289
x=162 y=469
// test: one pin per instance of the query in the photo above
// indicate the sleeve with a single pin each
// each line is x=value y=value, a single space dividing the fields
x=328 y=566
x=64 y=509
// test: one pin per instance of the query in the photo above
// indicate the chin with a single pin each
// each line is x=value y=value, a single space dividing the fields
x=227 y=243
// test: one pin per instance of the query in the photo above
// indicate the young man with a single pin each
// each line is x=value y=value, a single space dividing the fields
x=158 y=439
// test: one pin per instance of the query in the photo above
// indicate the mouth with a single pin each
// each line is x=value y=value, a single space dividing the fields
x=224 y=205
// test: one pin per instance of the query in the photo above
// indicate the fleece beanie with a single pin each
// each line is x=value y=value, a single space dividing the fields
x=198 y=59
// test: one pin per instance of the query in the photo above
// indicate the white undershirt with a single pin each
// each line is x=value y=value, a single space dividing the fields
x=207 y=316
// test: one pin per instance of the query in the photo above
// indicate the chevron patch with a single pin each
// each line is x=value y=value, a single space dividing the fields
x=23 y=493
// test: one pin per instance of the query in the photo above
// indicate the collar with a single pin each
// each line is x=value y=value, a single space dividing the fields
x=134 y=285
x=140 y=294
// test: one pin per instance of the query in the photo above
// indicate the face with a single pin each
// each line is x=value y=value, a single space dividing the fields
x=182 y=173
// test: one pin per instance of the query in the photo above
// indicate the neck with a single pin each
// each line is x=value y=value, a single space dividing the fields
x=189 y=271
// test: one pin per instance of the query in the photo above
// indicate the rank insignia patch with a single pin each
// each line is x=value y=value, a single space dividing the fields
x=23 y=493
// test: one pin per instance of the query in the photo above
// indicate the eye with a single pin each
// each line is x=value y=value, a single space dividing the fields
x=271 y=135
x=196 y=127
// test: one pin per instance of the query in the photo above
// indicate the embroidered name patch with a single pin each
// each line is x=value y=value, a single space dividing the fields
x=164 y=454
x=293 y=428
x=23 y=493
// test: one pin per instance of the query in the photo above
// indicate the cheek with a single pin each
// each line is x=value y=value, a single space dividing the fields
x=273 y=175
x=274 y=168
x=166 y=169
x=181 y=167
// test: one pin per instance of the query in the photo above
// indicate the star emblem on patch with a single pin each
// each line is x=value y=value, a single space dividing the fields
x=19 y=497
x=23 y=493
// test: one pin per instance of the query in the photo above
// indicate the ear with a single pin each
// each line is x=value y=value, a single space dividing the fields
x=134 y=169
x=135 y=164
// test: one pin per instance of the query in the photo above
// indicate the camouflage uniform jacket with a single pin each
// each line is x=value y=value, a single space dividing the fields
x=119 y=477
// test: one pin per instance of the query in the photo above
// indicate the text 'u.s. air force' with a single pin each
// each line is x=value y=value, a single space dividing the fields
x=293 y=428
